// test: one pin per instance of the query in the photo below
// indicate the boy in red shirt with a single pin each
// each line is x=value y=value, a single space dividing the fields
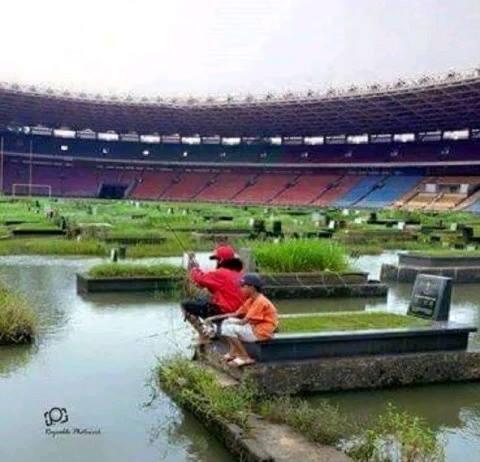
x=223 y=283
x=255 y=320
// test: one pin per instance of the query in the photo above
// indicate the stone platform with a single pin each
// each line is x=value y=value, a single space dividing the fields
x=86 y=284
x=322 y=284
x=461 y=269
x=442 y=336
x=355 y=373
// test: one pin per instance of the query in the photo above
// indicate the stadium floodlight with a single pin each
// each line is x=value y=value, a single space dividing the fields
x=105 y=151
x=185 y=154
x=64 y=147
x=145 y=152
x=64 y=133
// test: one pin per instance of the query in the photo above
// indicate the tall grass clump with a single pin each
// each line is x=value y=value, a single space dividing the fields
x=323 y=424
x=135 y=270
x=398 y=437
x=17 y=320
x=197 y=389
x=301 y=255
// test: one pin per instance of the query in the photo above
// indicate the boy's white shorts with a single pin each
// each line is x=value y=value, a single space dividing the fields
x=231 y=328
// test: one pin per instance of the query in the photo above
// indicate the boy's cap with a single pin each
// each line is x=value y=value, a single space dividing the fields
x=223 y=252
x=252 y=279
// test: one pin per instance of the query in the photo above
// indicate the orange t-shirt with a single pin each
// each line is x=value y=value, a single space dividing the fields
x=262 y=315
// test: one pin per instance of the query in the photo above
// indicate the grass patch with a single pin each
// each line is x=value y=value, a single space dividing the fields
x=291 y=256
x=198 y=389
x=323 y=424
x=348 y=321
x=126 y=270
x=17 y=320
x=392 y=436
x=51 y=246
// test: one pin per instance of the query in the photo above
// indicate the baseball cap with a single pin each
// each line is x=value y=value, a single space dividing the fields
x=252 y=279
x=223 y=252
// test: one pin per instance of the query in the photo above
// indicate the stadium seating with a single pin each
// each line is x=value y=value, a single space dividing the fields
x=263 y=188
x=304 y=190
x=359 y=191
x=389 y=191
x=186 y=185
x=223 y=187
x=151 y=184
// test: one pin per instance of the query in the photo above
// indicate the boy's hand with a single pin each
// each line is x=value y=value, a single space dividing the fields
x=192 y=261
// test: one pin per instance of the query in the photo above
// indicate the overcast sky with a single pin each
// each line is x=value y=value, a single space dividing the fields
x=198 y=47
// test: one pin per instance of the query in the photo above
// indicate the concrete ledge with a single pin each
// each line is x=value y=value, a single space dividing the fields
x=86 y=284
x=37 y=232
x=443 y=336
x=321 y=278
x=404 y=273
x=371 y=289
x=425 y=260
x=356 y=373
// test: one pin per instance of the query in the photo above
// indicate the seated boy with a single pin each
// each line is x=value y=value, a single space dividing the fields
x=255 y=320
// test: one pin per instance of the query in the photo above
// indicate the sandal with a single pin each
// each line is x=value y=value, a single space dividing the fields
x=240 y=362
x=228 y=357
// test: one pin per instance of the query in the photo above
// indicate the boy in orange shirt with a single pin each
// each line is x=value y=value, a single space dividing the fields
x=255 y=320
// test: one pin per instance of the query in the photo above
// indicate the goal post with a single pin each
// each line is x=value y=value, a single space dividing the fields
x=25 y=189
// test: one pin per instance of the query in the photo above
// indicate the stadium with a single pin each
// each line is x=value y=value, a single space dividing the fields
x=413 y=145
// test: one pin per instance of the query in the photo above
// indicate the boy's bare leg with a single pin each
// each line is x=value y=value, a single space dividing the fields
x=239 y=349
x=232 y=351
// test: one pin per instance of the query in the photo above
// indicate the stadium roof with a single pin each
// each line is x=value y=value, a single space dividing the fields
x=450 y=102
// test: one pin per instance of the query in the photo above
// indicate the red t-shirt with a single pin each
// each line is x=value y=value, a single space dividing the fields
x=223 y=284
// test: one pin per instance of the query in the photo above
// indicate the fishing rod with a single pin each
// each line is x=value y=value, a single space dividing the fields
x=180 y=243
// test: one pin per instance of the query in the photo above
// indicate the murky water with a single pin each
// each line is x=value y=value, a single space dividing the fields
x=95 y=357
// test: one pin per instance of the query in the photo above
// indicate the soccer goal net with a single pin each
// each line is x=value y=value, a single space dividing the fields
x=25 y=189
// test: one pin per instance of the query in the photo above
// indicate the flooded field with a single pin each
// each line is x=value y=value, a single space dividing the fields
x=95 y=357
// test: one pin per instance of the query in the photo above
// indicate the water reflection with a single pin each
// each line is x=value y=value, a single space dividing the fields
x=15 y=357
x=93 y=357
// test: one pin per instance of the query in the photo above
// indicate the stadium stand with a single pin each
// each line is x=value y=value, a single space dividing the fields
x=304 y=189
x=366 y=185
x=388 y=191
x=262 y=188
x=374 y=146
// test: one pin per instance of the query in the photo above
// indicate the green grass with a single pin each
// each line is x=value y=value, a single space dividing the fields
x=390 y=436
x=198 y=389
x=16 y=317
x=52 y=246
x=324 y=424
x=303 y=255
x=348 y=321
x=122 y=270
